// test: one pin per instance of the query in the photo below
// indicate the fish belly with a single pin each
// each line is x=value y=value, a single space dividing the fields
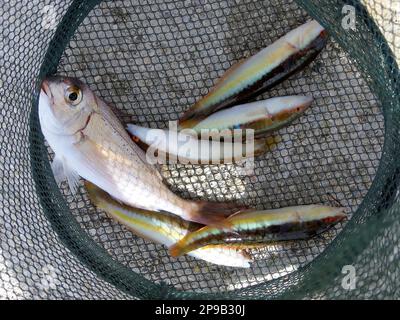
x=120 y=171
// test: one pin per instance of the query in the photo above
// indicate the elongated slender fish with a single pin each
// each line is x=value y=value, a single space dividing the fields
x=262 y=116
x=285 y=224
x=187 y=148
x=165 y=229
x=89 y=141
x=260 y=72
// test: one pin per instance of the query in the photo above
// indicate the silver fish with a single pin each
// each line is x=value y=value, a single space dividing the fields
x=166 y=229
x=260 y=72
x=182 y=147
x=89 y=142
x=265 y=226
x=262 y=116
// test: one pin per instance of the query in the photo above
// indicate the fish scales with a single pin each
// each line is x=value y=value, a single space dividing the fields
x=260 y=72
x=166 y=229
x=90 y=142
x=266 y=226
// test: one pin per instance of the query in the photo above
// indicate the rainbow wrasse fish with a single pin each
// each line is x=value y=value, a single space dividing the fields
x=89 y=142
x=260 y=72
x=267 y=226
x=163 y=145
x=165 y=229
x=264 y=116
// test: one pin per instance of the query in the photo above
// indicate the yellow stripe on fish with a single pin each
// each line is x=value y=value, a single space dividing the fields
x=260 y=72
x=266 y=226
x=166 y=229
x=262 y=116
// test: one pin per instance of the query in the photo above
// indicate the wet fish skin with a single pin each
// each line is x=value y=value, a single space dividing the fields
x=264 y=116
x=90 y=142
x=266 y=226
x=174 y=146
x=256 y=74
x=166 y=229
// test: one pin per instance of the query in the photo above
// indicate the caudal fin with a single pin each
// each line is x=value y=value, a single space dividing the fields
x=176 y=250
x=214 y=213
x=263 y=145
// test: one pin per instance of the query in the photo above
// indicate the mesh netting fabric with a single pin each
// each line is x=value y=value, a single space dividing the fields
x=151 y=61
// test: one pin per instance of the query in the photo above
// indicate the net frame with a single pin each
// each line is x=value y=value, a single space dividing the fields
x=376 y=215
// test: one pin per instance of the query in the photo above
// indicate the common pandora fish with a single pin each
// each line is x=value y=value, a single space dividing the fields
x=285 y=224
x=262 y=116
x=89 y=141
x=171 y=146
x=165 y=229
x=260 y=72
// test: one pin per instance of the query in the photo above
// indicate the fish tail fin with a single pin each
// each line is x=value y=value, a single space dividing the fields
x=177 y=249
x=214 y=213
x=263 y=145
x=187 y=123
x=189 y=120
x=194 y=115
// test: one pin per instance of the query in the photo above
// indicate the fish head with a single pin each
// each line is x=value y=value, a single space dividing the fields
x=70 y=101
x=326 y=215
x=294 y=106
x=300 y=104
x=334 y=215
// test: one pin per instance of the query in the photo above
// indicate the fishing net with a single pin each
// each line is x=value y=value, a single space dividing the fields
x=153 y=59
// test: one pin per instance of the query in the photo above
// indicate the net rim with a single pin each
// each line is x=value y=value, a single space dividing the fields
x=96 y=258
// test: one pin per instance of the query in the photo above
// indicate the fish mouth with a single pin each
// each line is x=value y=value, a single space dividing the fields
x=45 y=88
x=303 y=106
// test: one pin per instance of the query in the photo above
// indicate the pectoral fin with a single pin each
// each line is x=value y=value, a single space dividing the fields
x=58 y=169
x=72 y=178
x=63 y=172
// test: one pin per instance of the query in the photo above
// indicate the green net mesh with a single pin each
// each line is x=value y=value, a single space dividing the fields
x=153 y=59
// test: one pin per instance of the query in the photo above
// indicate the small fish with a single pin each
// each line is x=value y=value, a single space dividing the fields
x=260 y=72
x=186 y=148
x=89 y=142
x=285 y=224
x=165 y=229
x=262 y=116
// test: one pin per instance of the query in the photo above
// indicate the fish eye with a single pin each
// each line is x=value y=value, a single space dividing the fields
x=73 y=95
